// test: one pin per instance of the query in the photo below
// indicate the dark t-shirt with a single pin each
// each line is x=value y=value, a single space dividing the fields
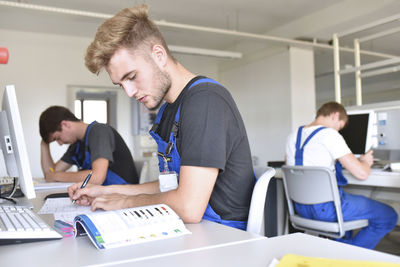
x=212 y=134
x=105 y=142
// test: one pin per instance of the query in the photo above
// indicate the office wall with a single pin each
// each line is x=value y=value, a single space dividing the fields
x=261 y=89
x=43 y=66
x=275 y=93
x=302 y=86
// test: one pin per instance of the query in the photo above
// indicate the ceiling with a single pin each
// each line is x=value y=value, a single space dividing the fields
x=293 y=19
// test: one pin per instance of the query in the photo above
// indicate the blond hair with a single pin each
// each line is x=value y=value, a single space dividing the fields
x=130 y=28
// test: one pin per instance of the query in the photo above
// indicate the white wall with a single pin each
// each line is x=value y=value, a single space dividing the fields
x=275 y=94
x=200 y=65
x=42 y=66
x=261 y=90
x=302 y=86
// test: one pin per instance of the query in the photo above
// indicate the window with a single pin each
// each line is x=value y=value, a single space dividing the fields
x=96 y=105
x=91 y=110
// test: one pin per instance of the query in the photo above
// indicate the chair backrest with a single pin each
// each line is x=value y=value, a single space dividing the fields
x=255 y=223
x=142 y=167
x=312 y=185
x=138 y=165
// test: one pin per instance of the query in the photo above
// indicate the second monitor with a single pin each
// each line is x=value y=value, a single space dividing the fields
x=359 y=132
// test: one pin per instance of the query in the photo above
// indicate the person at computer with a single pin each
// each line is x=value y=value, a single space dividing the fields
x=95 y=147
x=320 y=144
x=199 y=131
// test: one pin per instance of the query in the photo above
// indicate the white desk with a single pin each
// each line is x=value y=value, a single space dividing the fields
x=380 y=185
x=209 y=245
x=205 y=247
x=81 y=252
x=259 y=253
x=377 y=178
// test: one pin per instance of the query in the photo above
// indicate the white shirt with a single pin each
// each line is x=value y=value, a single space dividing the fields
x=322 y=150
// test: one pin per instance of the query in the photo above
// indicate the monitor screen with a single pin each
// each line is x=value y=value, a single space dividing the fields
x=357 y=133
x=13 y=143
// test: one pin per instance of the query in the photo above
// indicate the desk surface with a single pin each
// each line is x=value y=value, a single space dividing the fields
x=376 y=178
x=210 y=244
x=80 y=251
x=259 y=253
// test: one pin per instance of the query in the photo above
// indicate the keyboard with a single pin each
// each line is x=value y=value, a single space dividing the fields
x=18 y=224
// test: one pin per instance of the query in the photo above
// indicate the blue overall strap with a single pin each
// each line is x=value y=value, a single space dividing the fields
x=300 y=148
x=160 y=113
x=174 y=130
x=74 y=157
x=341 y=180
x=202 y=80
x=87 y=134
x=86 y=164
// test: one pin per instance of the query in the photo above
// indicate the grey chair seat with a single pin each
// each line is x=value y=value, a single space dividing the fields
x=315 y=185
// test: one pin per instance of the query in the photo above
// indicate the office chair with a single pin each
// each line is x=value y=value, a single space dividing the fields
x=142 y=169
x=256 y=221
x=314 y=185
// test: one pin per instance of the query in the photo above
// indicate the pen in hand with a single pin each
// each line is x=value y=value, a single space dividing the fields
x=84 y=183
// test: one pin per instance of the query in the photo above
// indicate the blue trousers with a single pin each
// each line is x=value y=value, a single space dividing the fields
x=382 y=218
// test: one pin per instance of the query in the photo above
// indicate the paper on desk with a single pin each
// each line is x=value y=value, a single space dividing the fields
x=63 y=209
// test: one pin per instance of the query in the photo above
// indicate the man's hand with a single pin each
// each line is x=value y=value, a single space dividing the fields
x=368 y=158
x=85 y=195
x=112 y=202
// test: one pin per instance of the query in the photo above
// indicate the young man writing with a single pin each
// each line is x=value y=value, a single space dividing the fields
x=95 y=146
x=199 y=131
x=320 y=144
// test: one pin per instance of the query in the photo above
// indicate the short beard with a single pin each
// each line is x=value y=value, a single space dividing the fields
x=163 y=85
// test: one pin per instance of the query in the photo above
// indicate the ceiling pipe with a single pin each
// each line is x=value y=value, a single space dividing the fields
x=369 y=25
x=163 y=23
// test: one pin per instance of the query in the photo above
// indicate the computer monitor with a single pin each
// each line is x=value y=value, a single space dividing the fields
x=13 y=143
x=359 y=133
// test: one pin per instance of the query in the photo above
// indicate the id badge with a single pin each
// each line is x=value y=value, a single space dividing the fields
x=168 y=181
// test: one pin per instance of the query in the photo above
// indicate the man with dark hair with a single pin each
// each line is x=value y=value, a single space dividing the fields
x=93 y=147
x=201 y=138
x=320 y=144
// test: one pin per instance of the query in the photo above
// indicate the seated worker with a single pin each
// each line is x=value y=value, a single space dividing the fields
x=199 y=131
x=96 y=146
x=320 y=144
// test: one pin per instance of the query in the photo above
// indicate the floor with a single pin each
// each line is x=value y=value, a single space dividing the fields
x=390 y=243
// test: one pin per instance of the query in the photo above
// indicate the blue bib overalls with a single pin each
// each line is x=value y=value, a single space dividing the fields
x=168 y=152
x=85 y=163
x=381 y=217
